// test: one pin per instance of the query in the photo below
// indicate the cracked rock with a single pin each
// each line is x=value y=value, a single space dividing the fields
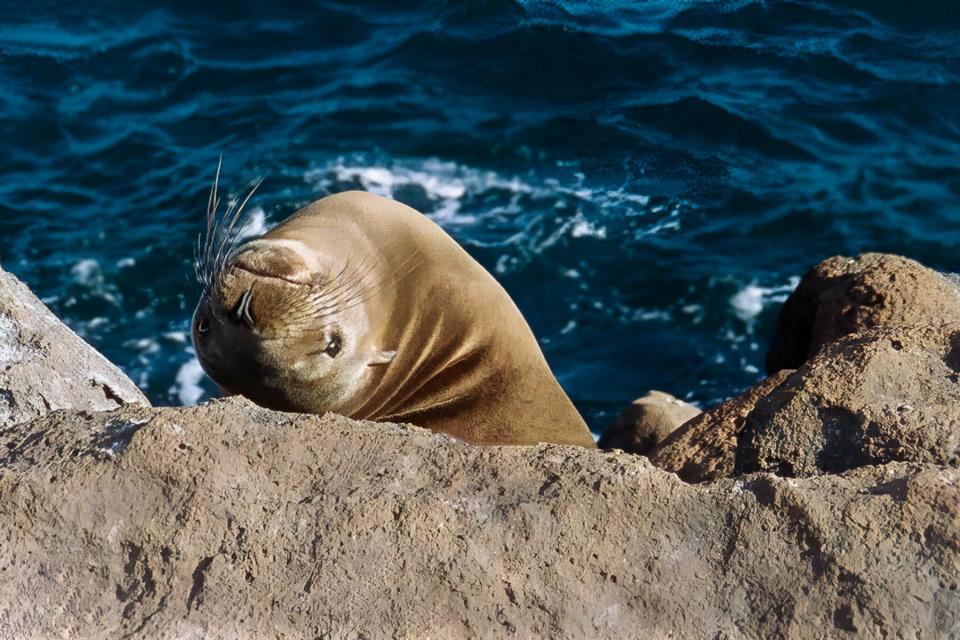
x=44 y=366
x=228 y=520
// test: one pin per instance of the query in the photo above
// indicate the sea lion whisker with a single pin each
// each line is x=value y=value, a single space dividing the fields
x=213 y=203
x=221 y=239
x=323 y=281
x=213 y=252
x=212 y=198
x=344 y=284
x=362 y=295
x=356 y=292
x=198 y=261
x=343 y=302
x=213 y=227
x=231 y=235
x=347 y=291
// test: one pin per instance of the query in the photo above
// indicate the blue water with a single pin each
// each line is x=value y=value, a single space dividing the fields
x=647 y=179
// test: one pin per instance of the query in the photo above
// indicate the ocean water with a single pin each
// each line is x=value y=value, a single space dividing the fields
x=647 y=179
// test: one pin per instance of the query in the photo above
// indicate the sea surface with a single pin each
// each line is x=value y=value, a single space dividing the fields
x=648 y=180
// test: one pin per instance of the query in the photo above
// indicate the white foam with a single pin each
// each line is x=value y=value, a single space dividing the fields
x=748 y=302
x=87 y=272
x=255 y=224
x=543 y=211
x=99 y=321
x=449 y=184
x=444 y=183
x=567 y=328
x=188 y=382
x=147 y=345
x=582 y=228
x=647 y=315
x=751 y=300
x=668 y=224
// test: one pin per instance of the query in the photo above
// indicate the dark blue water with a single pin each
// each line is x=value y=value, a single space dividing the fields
x=647 y=179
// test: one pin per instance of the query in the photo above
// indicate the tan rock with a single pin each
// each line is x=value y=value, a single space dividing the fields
x=887 y=394
x=229 y=521
x=45 y=366
x=844 y=295
x=704 y=448
x=646 y=422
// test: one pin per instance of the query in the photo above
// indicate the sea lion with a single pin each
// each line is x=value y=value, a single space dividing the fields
x=362 y=306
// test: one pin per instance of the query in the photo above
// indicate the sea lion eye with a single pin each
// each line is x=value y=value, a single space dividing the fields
x=203 y=325
x=333 y=346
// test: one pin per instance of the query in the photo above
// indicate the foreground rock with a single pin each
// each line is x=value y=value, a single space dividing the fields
x=646 y=422
x=890 y=394
x=232 y=521
x=842 y=295
x=45 y=366
x=705 y=448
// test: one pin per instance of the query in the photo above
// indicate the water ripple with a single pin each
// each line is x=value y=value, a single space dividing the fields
x=646 y=179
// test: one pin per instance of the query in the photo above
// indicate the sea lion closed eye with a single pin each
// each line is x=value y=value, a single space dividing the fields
x=362 y=306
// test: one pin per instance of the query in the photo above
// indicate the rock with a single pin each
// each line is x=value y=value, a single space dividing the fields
x=844 y=295
x=228 y=520
x=45 y=366
x=704 y=448
x=646 y=422
x=888 y=394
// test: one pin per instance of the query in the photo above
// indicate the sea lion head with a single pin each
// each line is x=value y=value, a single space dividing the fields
x=287 y=327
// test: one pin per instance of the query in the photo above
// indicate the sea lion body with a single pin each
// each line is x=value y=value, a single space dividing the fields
x=426 y=336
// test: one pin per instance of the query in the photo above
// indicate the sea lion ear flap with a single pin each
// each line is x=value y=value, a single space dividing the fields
x=382 y=357
x=285 y=259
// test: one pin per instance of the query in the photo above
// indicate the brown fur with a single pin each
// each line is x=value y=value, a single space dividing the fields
x=466 y=362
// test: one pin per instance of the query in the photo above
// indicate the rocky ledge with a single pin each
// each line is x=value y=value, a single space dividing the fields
x=228 y=520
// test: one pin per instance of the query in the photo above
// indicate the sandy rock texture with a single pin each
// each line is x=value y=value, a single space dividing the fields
x=646 y=422
x=844 y=295
x=705 y=448
x=229 y=520
x=45 y=366
x=233 y=521
x=888 y=394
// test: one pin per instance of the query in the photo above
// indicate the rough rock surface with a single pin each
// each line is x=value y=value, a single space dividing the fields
x=646 y=422
x=232 y=521
x=888 y=394
x=705 y=448
x=844 y=295
x=45 y=366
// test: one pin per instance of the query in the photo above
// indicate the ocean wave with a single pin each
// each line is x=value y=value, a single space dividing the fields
x=458 y=195
x=643 y=178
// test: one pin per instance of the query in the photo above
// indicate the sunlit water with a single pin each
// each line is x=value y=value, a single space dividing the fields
x=647 y=180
